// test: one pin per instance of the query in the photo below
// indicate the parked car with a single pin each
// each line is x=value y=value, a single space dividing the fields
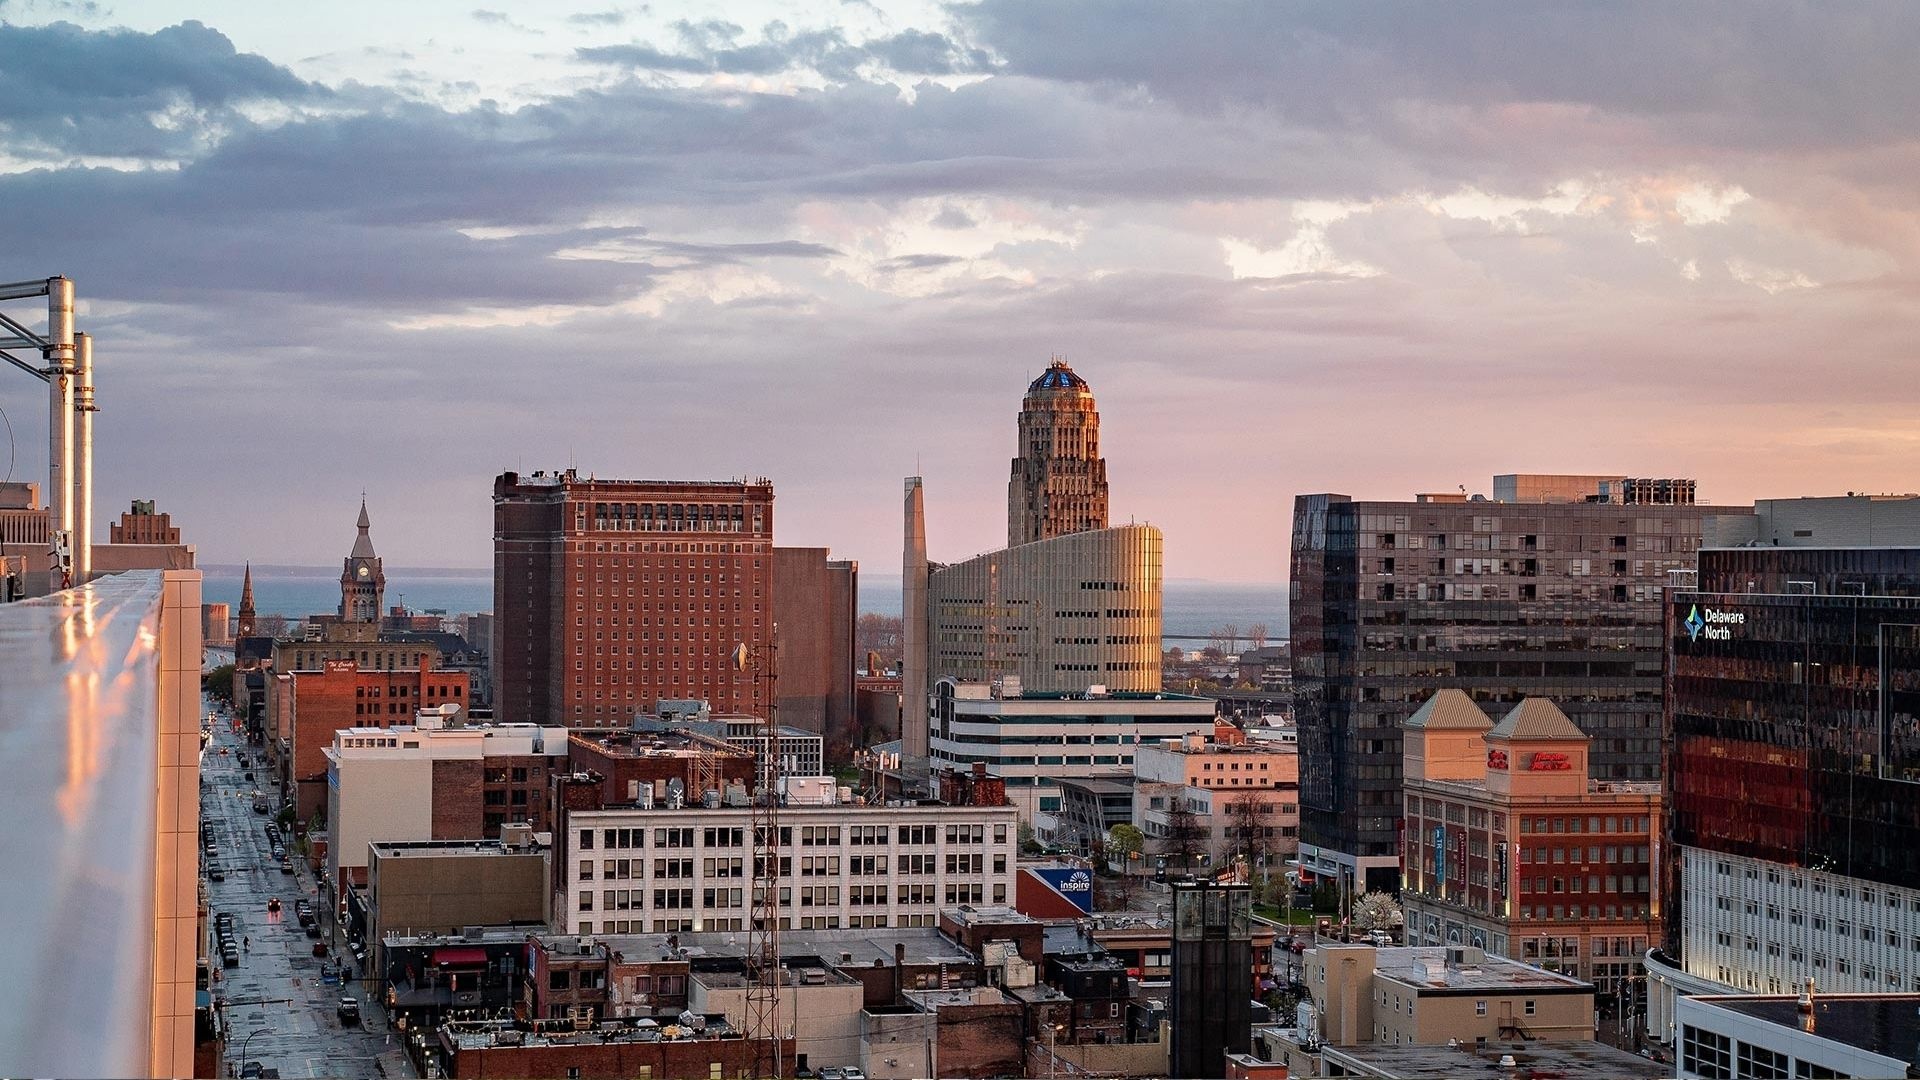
x=1379 y=939
x=230 y=957
x=286 y=866
x=215 y=873
x=831 y=1072
x=319 y=947
x=251 y=1071
x=854 y=1072
x=313 y=931
x=348 y=1011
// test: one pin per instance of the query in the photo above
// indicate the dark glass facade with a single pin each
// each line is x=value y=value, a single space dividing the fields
x=1794 y=716
x=1394 y=600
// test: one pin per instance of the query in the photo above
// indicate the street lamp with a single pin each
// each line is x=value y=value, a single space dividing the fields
x=248 y=1041
x=1053 y=1058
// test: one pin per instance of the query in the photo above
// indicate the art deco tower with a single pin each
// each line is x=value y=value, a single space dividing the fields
x=1059 y=482
x=363 y=584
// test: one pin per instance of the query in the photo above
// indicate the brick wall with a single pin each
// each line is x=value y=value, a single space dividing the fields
x=457 y=787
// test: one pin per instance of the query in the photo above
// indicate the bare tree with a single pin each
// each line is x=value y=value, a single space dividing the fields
x=1186 y=837
x=1257 y=635
x=1231 y=633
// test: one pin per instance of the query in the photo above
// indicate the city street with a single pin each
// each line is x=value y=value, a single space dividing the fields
x=281 y=1001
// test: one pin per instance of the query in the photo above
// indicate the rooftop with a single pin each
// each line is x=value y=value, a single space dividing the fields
x=1537 y=718
x=985 y=915
x=1115 y=784
x=1427 y=968
x=487 y=1034
x=1885 y=1024
x=427 y=849
x=1563 y=1060
x=676 y=742
x=1449 y=709
x=858 y=948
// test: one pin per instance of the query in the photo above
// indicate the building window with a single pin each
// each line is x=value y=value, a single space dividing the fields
x=1479 y=1008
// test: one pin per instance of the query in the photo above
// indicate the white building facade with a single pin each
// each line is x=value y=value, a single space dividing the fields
x=633 y=870
x=1757 y=925
x=1031 y=740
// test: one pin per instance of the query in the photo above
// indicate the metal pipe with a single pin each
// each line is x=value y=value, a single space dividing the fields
x=20 y=290
x=9 y=358
x=60 y=409
x=83 y=463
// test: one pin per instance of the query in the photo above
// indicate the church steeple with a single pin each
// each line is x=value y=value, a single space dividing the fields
x=363 y=584
x=246 y=618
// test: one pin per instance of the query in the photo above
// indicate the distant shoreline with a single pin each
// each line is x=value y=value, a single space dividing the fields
x=281 y=570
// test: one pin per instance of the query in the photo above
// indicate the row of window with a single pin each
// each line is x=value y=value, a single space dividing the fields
x=807 y=835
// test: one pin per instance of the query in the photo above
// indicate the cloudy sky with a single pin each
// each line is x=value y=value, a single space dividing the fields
x=1370 y=248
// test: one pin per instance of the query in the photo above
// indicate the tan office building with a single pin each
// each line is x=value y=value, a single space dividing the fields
x=1426 y=996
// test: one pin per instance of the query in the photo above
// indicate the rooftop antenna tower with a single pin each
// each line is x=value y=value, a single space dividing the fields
x=69 y=377
x=763 y=939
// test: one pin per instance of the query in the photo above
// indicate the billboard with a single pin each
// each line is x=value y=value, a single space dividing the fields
x=1072 y=882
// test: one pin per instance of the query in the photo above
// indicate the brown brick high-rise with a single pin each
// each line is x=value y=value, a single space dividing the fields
x=610 y=594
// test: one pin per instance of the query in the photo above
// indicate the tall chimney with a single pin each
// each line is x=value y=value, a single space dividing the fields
x=60 y=406
x=913 y=609
x=82 y=544
x=899 y=972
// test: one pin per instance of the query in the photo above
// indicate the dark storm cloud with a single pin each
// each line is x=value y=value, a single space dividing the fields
x=65 y=91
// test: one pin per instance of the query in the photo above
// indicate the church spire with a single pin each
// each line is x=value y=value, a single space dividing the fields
x=245 y=629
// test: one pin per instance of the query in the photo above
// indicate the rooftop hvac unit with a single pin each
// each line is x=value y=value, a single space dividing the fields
x=710 y=799
x=645 y=798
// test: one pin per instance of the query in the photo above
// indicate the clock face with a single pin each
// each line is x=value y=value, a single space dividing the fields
x=363 y=572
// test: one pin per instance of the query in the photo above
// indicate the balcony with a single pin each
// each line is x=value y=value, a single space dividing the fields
x=99 y=775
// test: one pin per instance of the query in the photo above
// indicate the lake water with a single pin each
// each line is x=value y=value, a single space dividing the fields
x=1192 y=609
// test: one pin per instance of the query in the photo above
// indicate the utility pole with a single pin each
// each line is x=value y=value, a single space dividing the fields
x=763 y=952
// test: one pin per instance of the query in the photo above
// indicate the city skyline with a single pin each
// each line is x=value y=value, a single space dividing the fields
x=1312 y=245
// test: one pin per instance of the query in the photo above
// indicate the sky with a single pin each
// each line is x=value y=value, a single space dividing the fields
x=1365 y=248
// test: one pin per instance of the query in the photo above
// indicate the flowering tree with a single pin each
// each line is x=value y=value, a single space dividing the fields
x=1377 y=911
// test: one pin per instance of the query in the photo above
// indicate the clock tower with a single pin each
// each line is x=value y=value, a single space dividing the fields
x=363 y=585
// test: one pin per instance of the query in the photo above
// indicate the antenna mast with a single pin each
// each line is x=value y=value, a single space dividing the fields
x=763 y=942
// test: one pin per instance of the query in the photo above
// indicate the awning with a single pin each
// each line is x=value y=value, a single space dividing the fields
x=460 y=956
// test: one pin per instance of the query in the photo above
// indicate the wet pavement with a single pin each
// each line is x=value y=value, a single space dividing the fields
x=282 y=1001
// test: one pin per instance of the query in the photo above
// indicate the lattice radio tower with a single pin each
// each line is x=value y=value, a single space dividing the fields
x=763 y=941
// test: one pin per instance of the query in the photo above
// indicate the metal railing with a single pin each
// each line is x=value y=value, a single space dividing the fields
x=89 y=781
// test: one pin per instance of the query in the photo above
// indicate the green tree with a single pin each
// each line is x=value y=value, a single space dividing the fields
x=1124 y=842
x=218 y=683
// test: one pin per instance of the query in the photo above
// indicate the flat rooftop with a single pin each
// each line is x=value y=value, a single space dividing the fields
x=487 y=1034
x=1563 y=1060
x=1885 y=1024
x=627 y=743
x=1115 y=784
x=858 y=948
x=430 y=849
x=1424 y=968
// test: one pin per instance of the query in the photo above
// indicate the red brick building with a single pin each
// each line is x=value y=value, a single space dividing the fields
x=606 y=1052
x=1512 y=847
x=611 y=594
x=342 y=696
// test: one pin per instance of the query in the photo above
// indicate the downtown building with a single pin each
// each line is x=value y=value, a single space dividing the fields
x=611 y=595
x=1513 y=848
x=1555 y=593
x=1040 y=660
x=1793 y=714
x=659 y=863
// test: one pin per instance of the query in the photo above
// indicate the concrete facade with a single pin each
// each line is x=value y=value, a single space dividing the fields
x=659 y=870
x=426 y=781
x=1030 y=740
x=1426 y=996
x=1060 y=614
x=1059 y=480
